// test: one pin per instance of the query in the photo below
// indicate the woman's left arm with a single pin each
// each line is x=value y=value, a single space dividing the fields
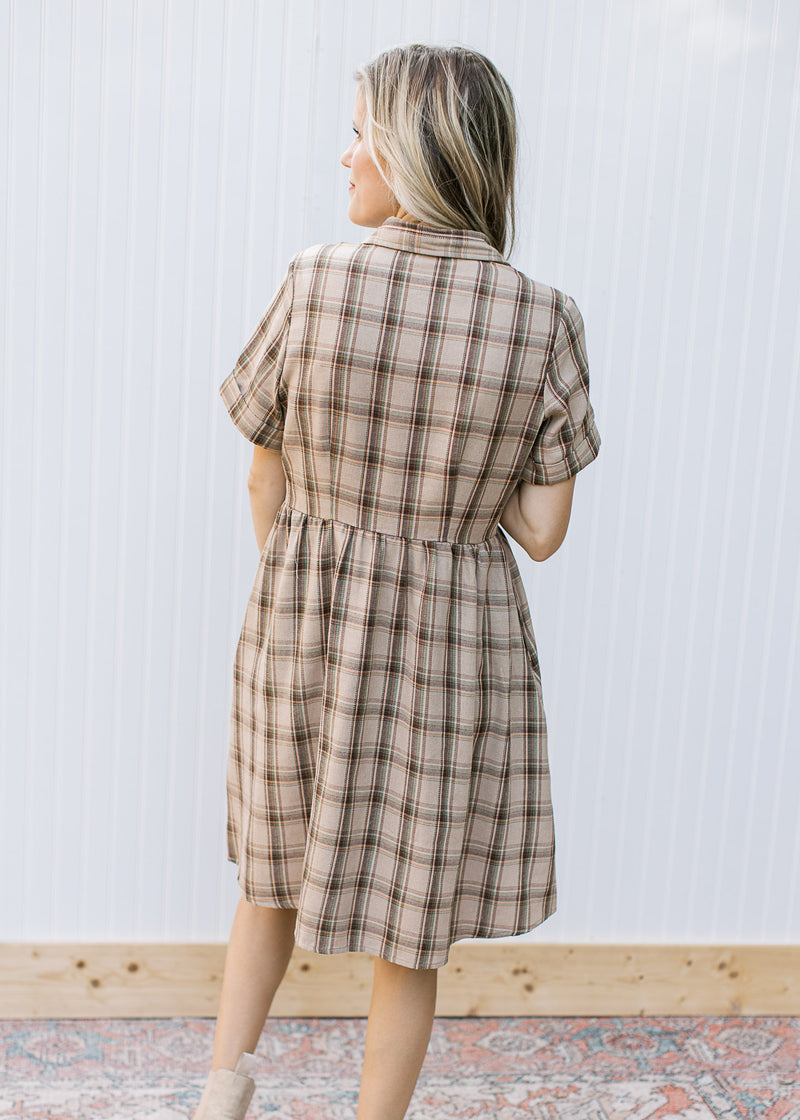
x=537 y=516
x=266 y=485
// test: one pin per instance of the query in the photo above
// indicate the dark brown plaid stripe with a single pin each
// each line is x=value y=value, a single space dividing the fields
x=388 y=771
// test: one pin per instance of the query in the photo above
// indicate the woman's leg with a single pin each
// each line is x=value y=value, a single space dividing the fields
x=258 y=954
x=399 y=1028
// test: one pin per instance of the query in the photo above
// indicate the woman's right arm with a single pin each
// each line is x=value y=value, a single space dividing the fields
x=266 y=485
x=537 y=516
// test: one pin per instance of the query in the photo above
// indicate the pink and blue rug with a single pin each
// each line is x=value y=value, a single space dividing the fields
x=493 y=1069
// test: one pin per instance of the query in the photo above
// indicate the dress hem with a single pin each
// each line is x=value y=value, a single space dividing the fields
x=410 y=958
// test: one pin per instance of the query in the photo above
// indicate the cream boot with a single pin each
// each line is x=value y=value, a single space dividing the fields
x=228 y=1092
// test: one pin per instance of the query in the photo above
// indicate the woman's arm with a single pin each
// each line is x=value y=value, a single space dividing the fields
x=266 y=485
x=537 y=516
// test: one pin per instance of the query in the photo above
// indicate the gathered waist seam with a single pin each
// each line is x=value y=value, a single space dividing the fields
x=380 y=533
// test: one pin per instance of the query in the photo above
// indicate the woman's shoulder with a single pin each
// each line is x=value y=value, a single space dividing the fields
x=541 y=293
x=324 y=251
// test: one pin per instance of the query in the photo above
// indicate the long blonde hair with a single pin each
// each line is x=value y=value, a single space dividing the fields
x=440 y=124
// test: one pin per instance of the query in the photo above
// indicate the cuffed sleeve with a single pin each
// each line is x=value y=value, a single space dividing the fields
x=253 y=391
x=567 y=439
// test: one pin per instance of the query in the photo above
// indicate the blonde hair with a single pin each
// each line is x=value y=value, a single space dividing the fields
x=440 y=124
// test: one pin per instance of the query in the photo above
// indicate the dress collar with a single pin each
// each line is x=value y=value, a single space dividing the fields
x=433 y=241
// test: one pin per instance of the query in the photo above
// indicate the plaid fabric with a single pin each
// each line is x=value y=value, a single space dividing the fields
x=388 y=772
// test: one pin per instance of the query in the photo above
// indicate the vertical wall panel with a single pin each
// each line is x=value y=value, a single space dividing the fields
x=161 y=163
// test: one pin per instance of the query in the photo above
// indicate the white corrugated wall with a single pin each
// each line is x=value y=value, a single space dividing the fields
x=161 y=162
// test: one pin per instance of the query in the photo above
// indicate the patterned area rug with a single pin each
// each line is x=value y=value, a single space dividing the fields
x=495 y=1069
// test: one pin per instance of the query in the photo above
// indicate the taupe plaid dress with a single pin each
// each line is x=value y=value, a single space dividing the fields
x=388 y=772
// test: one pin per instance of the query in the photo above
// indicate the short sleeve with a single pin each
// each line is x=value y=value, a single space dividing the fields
x=253 y=392
x=567 y=439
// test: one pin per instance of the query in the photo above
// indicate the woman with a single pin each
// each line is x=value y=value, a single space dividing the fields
x=388 y=780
